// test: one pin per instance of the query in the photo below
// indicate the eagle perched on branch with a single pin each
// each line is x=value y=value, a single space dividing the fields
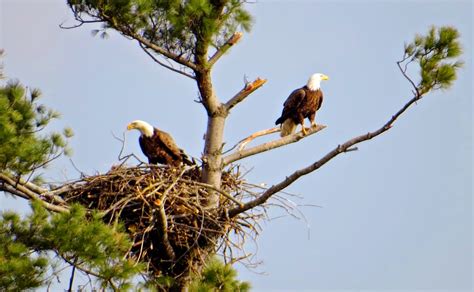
x=158 y=146
x=302 y=103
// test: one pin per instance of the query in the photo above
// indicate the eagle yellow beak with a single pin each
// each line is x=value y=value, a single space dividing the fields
x=325 y=77
x=130 y=126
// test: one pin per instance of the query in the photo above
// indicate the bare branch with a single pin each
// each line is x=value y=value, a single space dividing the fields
x=242 y=94
x=81 y=22
x=9 y=189
x=347 y=146
x=71 y=279
x=270 y=145
x=242 y=143
x=144 y=48
x=79 y=266
x=407 y=77
x=121 y=158
x=163 y=230
x=224 y=48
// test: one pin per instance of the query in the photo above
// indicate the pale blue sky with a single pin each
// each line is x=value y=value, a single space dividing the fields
x=397 y=214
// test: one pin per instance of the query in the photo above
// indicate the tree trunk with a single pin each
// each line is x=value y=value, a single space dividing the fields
x=212 y=156
x=212 y=169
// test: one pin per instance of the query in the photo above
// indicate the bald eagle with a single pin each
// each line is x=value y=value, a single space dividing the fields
x=302 y=103
x=158 y=146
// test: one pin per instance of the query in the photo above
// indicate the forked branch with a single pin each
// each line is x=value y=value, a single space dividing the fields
x=240 y=154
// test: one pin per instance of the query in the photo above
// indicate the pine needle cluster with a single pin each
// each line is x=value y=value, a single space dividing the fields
x=78 y=237
x=176 y=25
x=218 y=276
x=434 y=52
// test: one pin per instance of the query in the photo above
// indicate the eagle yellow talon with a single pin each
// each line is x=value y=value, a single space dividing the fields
x=303 y=130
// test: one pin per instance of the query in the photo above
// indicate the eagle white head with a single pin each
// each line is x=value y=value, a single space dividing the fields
x=142 y=126
x=314 y=81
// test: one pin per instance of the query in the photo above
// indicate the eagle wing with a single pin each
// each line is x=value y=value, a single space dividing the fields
x=168 y=143
x=292 y=103
x=320 y=100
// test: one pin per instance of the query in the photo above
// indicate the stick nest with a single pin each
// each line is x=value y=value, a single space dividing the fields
x=163 y=210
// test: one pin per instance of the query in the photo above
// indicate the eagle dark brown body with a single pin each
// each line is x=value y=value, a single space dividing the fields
x=158 y=146
x=301 y=104
x=161 y=148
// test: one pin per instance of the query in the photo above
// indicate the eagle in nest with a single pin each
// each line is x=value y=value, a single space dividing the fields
x=158 y=146
x=302 y=103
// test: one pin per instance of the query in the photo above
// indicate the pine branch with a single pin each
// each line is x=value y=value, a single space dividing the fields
x=129 y=32
x=9 y=189
x=24 y=192
x=270 y=145
x=144 y=48
x=159 y=49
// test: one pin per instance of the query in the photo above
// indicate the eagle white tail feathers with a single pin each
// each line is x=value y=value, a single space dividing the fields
x=288 y=127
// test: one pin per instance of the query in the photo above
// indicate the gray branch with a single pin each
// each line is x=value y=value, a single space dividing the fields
x=270 y=145
x=244 y=92
x=144 y=48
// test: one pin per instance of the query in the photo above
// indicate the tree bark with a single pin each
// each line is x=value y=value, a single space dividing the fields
x=212 y=169
x=212 y=156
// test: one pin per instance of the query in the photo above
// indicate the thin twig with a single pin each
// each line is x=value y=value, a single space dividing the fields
x=71 y=279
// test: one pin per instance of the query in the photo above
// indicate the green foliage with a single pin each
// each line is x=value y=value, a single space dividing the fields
x=176 y=25
x=22 y=149
x=218 y=276
x=77 y=237
x=433 y=53
x=19 y=270
x=157 y=283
